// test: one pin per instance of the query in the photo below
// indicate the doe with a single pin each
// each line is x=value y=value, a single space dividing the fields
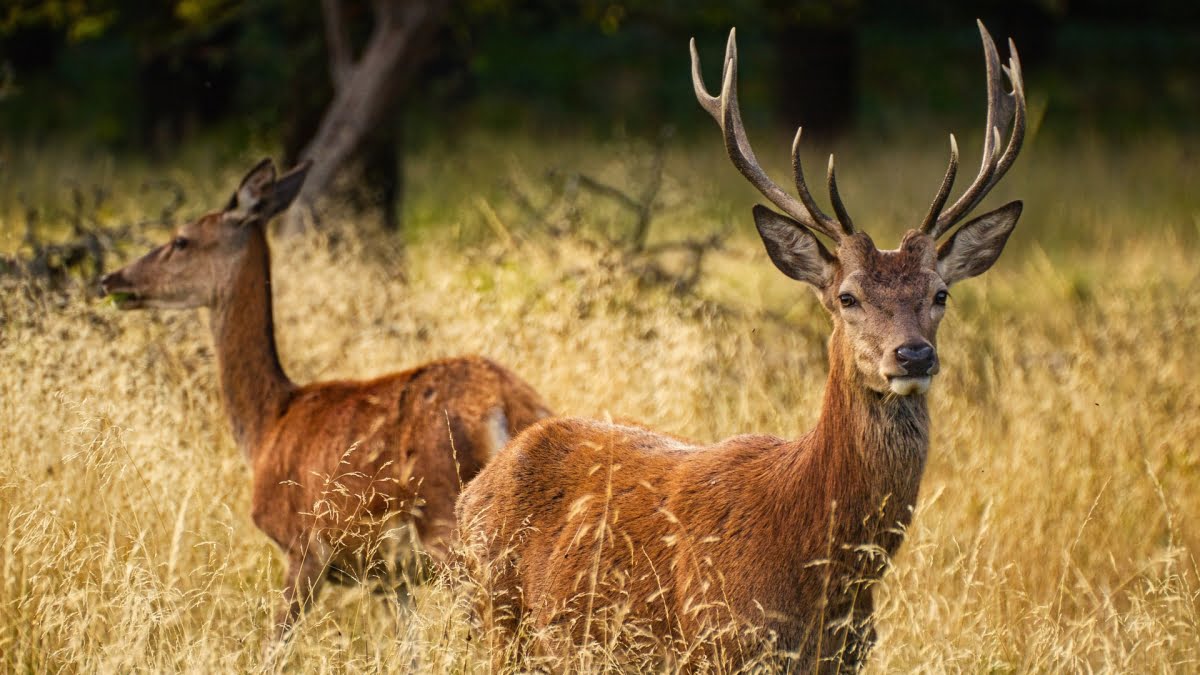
x=342 y=471
x=582 y=523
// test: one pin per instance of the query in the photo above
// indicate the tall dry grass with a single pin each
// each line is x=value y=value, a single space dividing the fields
x=1057 y=526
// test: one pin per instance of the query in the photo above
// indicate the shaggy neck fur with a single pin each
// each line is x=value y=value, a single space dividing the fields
x=865 y=459
x=255 y=389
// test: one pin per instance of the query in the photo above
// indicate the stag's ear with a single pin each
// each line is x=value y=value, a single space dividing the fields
x=793 y=248
x=976 y=246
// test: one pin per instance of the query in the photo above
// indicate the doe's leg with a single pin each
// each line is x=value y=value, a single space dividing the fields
x=305 y=573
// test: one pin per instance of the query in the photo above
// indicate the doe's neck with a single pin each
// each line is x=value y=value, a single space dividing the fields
x=254 y=386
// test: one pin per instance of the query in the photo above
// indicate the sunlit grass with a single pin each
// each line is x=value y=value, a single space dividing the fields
x=1056 y=529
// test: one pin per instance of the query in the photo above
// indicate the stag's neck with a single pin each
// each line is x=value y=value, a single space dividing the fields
x=868 y=451
x=254 y=387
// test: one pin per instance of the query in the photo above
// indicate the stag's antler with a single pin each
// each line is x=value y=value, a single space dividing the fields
x=729 y=117
x=1002 y=107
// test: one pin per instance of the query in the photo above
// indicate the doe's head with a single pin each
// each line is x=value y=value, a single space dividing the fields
x=886 y=304
x=197 y=267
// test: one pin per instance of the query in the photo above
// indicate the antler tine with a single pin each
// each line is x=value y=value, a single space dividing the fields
x=1003 y=107
x=1013 y=71
x=944 y=191
x=838 y=207
x=802 y=186
x=726 y=112
x=706 y=100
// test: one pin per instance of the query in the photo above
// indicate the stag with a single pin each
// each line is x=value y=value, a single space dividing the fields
x=352 y=480
x=755 y=547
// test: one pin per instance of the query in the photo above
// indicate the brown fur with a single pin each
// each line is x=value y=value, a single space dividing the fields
x=719 y=553
x=340 y=469
x=732 y=548
x=736 y=525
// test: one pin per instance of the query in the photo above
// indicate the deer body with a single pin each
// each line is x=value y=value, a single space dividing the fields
x=753 y=549
x=782 y=535
x=341 y=470
x=349 y=465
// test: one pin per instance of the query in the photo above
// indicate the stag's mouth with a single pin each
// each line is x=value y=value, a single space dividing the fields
x=907 y=386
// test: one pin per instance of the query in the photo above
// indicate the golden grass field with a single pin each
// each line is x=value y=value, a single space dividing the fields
x=1057 y=528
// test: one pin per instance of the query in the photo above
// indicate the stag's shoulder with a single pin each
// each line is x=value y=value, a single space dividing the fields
x=563 y=438
x=549 y=465
x=560 y=450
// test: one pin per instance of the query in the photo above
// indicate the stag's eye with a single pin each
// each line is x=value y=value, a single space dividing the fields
x=847 y=300
x=179 y=243
x=940 y=297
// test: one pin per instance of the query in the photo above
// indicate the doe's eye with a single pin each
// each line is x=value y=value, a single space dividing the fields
x=179 y=243
x=847 y=300
x=940 y=298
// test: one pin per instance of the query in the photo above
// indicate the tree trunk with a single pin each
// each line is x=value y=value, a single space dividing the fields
x=364 y=89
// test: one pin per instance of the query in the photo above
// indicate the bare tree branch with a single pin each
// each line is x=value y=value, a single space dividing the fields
x=398 y=42
x=341 y=59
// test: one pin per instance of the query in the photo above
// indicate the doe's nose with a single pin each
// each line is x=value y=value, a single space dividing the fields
x=108 y=281
x=916 y=358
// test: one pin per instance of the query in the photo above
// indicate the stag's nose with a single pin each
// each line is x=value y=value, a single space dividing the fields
x=916 y=358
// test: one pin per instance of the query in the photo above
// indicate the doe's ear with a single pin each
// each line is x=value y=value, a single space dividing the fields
x=793 y=248
x=254 y=188
x=976 y=246
x=261 y=195
x=286 y=188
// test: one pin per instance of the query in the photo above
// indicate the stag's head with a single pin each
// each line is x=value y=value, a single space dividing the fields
x=197 y=267
x=886 y=304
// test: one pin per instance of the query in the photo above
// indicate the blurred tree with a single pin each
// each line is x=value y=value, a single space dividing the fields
x=365 y=88
x=334 y=79
x=76 y=20
x=371 y=177
x=188 y=69
x=185 y=68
